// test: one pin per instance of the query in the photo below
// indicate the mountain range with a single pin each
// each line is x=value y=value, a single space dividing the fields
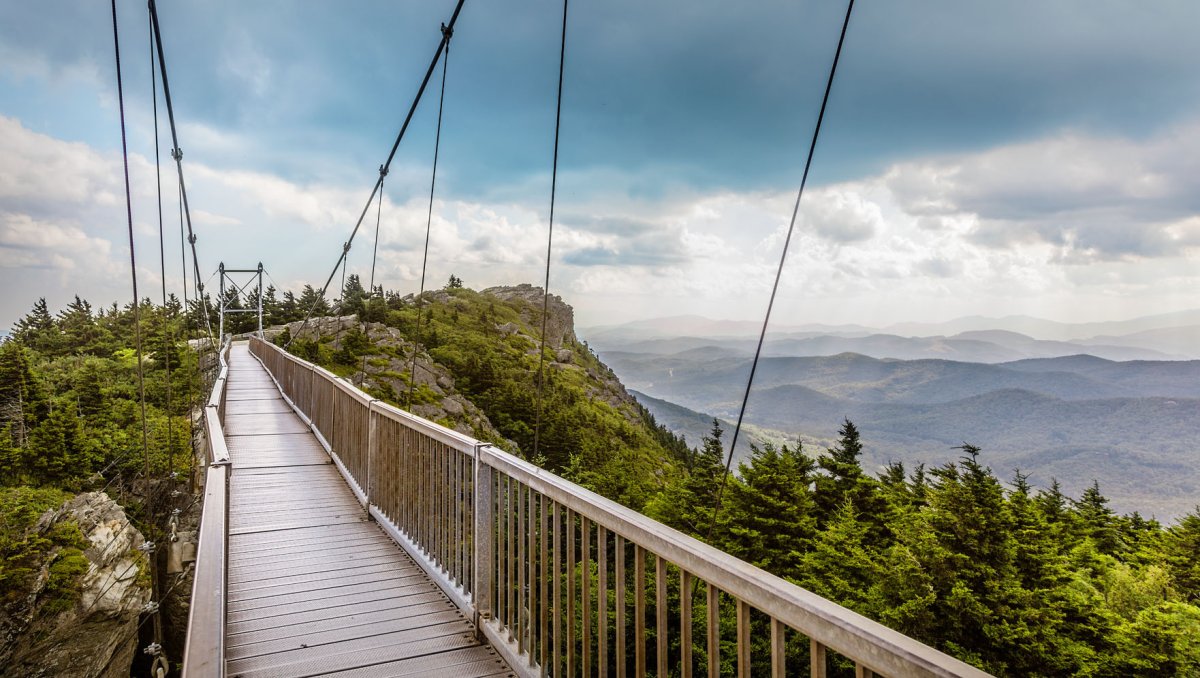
x=1133 y=426
x=1173 y=336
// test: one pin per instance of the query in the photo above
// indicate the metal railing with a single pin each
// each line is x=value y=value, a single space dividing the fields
x=564 y=582
x=204 y=652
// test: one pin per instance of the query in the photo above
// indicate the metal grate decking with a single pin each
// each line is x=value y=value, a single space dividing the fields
x=315 y=588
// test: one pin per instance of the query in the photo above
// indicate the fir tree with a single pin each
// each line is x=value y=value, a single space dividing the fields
x=772 y=515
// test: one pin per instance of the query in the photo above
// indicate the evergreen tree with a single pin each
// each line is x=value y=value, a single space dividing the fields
x=1098 y=521
x=772 y=515
x=842 y=565
x=843 y=480
x=689 y=502
x=1181 y=554
x=312 y=299
x=37 y=330
x=22 y=402
x=56 y=451
x=82 y=335
x=289 y=309
x=354 y=296
x=272 y=308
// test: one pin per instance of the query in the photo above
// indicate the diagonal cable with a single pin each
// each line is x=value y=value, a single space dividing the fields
x=437 y=146
x=812 y=147
x=562 y=54
x=388 y=163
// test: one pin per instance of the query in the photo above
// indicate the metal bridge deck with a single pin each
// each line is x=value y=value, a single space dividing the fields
x=315 y=588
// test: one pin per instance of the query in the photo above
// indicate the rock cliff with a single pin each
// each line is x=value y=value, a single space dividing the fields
x=79 y=616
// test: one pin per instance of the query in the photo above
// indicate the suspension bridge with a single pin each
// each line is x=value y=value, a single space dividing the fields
x=341 y=535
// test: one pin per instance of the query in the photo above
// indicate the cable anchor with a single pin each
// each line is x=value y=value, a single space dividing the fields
x=447 y=32
x=150 y=607
x=383 y=171
x=177 y=154
x=153 y=649
x=146 y=547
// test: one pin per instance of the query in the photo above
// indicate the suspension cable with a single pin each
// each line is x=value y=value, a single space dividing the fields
x=375 y=250
x=562 y=53
x=177 y=155
x=169 y=336
x=137 y=316
x=388 y=163
x=437 y=144
x=812 y=147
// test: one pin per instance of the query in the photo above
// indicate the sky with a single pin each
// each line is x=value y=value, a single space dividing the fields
x=1024 y=157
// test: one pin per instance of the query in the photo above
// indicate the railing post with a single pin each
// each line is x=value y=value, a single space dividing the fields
x=483 y=541
x=372 y=449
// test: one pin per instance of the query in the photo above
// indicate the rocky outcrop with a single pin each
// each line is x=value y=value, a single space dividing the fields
x=387 y=369
x=90 y=628
x=560 y=317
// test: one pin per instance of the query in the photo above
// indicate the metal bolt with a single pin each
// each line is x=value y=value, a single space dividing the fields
x=153 y=649
x=150 y=607
x=146 y=547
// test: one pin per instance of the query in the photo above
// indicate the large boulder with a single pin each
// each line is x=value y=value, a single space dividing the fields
x=88 y=629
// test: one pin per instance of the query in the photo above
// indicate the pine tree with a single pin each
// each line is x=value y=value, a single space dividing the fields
x=37 y=330
x=82 y=335
x=689 y=502
x=843 y=480
x=772 y=515
x=311 y=299
x=841 y=565
x=1099 y=522
x=56 y=452
x=22 y=402
x=1181 y=554
x=354 y=296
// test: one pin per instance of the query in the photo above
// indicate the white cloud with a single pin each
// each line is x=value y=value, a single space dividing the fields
x=993 y=232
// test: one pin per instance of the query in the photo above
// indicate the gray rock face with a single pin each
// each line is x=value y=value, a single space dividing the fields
x=388 y=369
x=560 y=317
x=97 y=636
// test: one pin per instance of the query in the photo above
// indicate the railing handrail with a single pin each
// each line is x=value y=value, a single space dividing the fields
x=204 y=651
x=826 y=623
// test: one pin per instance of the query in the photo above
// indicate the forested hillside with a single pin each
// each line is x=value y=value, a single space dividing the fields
x=1134 y=426
x=1019 y=580
x=71 y=439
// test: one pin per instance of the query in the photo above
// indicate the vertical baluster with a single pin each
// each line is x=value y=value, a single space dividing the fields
x=639 y=611
x=585 y=569
x=778 y=649
x=544 y=587
x=520 y=569
x=660 y=612
x=531 y=577
x=570 y=593
x=509 y=569
x=602 y=599
x=555 y=619
x=743 y=639
x=443 y=513
x=620 y=555
x=714 y=631
x=505 y=519
x=534 y=581
x=816 y=652
x=483 y=543
x=861 y=671
x=685 y=623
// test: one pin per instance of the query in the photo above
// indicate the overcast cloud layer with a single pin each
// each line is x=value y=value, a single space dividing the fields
x=1004 y=159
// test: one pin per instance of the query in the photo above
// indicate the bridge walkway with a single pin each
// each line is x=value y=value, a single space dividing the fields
x=314 y=586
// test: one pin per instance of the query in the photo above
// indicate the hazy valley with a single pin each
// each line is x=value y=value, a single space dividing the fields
x=1114 y=402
